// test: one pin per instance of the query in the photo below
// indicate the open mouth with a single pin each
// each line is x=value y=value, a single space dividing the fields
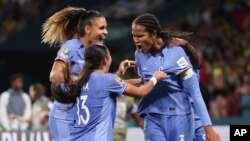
x=101 y=39
x=139 y=47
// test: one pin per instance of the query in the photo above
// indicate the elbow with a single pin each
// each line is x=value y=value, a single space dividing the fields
x=55 y=77
x=52 y=77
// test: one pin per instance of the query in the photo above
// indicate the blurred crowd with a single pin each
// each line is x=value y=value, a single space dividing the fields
x=221 y=34
x=21 y=111
x=16 y=14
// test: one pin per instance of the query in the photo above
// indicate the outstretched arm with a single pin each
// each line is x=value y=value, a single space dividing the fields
x=134 y=81
x=144 y=89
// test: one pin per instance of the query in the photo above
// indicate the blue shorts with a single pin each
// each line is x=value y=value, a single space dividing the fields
x=199 y=131
x=60 y=129
x=169 y=128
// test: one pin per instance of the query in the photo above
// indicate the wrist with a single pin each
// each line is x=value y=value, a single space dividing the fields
x=154 y=80
x=118 y=73
x=208 y=127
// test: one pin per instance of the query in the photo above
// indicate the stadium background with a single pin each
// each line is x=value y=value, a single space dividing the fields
x=221 y=33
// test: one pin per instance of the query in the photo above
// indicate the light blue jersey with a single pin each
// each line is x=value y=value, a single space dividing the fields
x=199 y=128
x=96 y=108
x=71 y=52
x=167 y=105
x=167 y=97
x=62 y=116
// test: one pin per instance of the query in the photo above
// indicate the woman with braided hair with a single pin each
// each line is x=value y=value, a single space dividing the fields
x=168 y=109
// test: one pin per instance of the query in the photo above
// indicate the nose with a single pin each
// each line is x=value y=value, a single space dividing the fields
x=106 y=32
x=136 y=40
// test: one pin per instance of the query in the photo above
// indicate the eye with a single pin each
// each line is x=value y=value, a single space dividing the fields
x=102 y=27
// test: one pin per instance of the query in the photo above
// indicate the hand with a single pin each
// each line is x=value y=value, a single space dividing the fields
x=12 y=116
x=211 y=135
x=178 y=42
x=124 y=65
x=159 y=75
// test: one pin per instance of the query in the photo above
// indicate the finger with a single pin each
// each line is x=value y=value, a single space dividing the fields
x=131 y=63
x=218 y=138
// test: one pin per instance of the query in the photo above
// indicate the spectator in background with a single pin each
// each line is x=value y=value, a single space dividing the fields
x=233 y=101
x=245 y=98
x=220 y=93
x=40 y=108
x=126 y=107
x=15 y=106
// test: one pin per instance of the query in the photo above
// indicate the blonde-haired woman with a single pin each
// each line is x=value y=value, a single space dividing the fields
x=74 y=28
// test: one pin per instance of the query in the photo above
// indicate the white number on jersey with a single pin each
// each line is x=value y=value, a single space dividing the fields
x=81 y=119
x=181 y=137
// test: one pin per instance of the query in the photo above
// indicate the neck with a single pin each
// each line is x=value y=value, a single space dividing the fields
x=100 y=71
x=157 y=46
x=84 y=42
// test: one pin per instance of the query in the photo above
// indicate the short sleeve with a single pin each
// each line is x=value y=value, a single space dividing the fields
x=64 y=53
x=180 y=61
x=115 y=84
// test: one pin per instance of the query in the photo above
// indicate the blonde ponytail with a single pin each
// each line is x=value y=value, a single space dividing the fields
x=62 y=25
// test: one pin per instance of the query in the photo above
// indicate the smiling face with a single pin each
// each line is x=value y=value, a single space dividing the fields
x=97 y=31
x=143 y=40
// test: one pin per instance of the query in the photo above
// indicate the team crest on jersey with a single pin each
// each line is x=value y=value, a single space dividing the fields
x=182 y=63
x=119 y=80
x=64 y=52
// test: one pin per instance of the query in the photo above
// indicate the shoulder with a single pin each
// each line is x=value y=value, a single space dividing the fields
x=109 y=76
x=5 y=95
x=174 y=53
x=112 y=79
x=103 y=79
x=69 y=47
x=176 y=49
x=72 y=44
x=25 y=96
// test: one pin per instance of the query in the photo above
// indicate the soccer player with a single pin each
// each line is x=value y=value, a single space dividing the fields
x=167 y=110
x=74 y=28
x=96 y=91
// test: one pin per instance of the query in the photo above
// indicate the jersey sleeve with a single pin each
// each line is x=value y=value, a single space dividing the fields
x=191 y=85
x=183 y=68
x=179 y=60
x=64 y=53
x=114 y=84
